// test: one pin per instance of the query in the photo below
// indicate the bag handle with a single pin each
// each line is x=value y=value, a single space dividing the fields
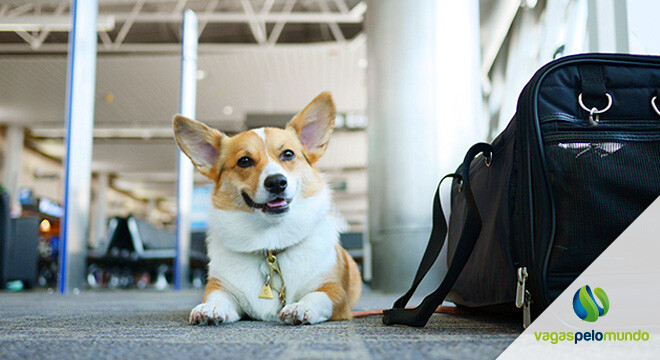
x=438 y=231
x=419 y=316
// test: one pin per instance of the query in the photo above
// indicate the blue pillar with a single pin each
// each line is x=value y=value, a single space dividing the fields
x=185 y=169
x=81 y=77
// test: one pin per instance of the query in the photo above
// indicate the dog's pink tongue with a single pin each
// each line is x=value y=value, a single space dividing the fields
x=276 y=203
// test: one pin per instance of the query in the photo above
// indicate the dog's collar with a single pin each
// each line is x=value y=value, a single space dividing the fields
x=266 y=252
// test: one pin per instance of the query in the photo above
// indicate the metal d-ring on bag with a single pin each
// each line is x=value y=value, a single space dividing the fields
x=653 y=104
x=593 y=120
x=592 y=82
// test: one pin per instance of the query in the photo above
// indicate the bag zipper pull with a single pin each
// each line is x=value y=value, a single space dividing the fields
x=527 y=310
x=523 y=297
x=520 y=289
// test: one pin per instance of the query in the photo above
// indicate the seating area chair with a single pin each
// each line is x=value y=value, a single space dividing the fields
x=18 y=247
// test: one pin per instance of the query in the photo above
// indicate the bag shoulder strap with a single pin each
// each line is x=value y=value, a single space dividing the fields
x=420 y=315
x=436 y=241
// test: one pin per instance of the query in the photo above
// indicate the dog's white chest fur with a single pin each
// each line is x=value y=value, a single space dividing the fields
x=237 y=240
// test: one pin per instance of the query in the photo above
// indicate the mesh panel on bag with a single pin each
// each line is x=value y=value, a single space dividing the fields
x=600 y=187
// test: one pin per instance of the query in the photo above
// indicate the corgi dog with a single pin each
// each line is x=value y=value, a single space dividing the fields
x=272 y=239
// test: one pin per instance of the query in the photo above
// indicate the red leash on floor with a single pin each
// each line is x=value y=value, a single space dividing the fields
x=440 y=310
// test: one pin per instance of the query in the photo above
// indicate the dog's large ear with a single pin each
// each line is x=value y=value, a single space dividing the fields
x=314 y=125
x=200 y=143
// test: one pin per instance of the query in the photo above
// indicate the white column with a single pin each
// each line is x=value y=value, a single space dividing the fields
x=15 y=136
x=185 y=167
x=424 y=110
x=81 y=76
x=608 y=25
x=101 y=208
x=642 y=21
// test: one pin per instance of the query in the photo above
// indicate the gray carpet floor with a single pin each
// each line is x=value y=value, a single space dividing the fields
x=153 y=325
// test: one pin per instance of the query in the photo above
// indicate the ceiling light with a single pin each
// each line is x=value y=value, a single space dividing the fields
x=227 y=110
x=44 y=226
x=362 y=63
x=201 y=74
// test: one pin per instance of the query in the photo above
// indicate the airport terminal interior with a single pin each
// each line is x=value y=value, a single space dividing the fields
x=103 y=229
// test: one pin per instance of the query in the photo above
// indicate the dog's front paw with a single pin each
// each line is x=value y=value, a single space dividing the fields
x=209 y=314
x=300 y=313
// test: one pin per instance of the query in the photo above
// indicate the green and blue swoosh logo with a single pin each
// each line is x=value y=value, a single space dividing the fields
x=585 y=305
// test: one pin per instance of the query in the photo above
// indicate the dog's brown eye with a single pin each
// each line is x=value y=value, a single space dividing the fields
x=245 y=162
x=287 y=155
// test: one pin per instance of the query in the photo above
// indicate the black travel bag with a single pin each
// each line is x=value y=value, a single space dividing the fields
x=579 y=161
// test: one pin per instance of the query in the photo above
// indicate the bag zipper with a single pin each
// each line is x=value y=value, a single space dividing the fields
x=523 y=297
x=564 y=120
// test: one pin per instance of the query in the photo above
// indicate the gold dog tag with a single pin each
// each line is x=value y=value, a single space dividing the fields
x=265 y=292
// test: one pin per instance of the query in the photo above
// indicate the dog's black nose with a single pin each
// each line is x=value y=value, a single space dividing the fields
x=275 y=183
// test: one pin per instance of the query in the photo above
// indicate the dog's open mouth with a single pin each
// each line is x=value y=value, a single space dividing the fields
x=275 y=206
